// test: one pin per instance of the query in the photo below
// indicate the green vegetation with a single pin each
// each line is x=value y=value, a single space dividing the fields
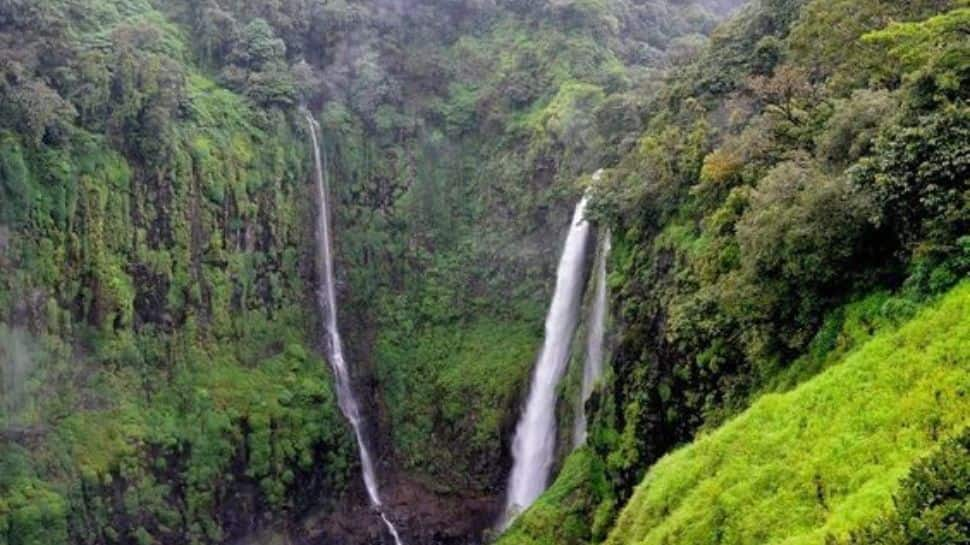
x=157 y=259
x=593 y=502
x=932 y=504
x=822 y=459
x=787 y=194
x=799 y=186
x=562 y=513
x=473 y=373
x=755 y=207
x=456 y=173
x=158 y=378
x=280 y=419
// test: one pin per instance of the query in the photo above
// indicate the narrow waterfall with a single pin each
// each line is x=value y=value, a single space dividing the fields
x=595 y=335
x=535 y=437
x=327 y=301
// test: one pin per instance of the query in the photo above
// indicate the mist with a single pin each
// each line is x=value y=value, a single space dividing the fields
x=17 y=362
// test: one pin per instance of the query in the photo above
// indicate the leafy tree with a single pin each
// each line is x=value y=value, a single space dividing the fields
x=918 y=175
x=933 y=55
x=850 y=133
x=787 y=97
x=258 y=47
x=32 y=107
x=801 y=239
x=826 y=38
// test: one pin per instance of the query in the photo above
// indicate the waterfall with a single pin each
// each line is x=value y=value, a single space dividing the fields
x=595 y=334
x=535 y=437
x=327 y=301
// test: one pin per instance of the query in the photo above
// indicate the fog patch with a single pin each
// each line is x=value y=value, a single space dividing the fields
x=18 y=354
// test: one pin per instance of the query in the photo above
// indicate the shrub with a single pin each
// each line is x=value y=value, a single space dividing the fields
x=933 y=504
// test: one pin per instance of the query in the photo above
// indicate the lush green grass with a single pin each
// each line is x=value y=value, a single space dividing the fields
x=845 y=329
x=822 y=459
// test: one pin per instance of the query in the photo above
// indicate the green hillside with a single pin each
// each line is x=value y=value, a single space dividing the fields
x=823 y=459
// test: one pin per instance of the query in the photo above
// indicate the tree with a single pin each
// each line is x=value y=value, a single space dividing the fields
x=785 y=94
x=851 y=131
x=31 y=107
x=919 y=176
x=932 y=506
x=802 y=239
x=258 y=47
x=257 y=66
x=932 y=55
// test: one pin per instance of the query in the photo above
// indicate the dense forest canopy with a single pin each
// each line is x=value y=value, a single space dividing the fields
x=785 y=190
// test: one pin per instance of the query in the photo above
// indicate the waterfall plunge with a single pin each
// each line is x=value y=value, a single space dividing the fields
x=327 y=301
x=595 y=335
x=535 y=437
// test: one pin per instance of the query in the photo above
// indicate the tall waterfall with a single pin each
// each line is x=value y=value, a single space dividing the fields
x=327 y=301
x=595 y=335
x=535 y=436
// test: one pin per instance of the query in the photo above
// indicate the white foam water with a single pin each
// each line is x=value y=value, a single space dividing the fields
x=534 y=446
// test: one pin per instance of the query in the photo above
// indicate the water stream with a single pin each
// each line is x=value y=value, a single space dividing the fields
x=595 y=336
x=533 y=448
x=327 y=301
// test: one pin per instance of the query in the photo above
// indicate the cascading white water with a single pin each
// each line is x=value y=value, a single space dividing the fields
x=535 y=437
x=327 y=301
x=595 y=335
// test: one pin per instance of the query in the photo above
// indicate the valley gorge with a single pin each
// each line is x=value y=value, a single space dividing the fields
x=426 y=272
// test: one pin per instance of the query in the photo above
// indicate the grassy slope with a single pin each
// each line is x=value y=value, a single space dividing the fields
x=823 y=458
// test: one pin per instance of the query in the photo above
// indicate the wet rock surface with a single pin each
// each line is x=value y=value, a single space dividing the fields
x=421 y=516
